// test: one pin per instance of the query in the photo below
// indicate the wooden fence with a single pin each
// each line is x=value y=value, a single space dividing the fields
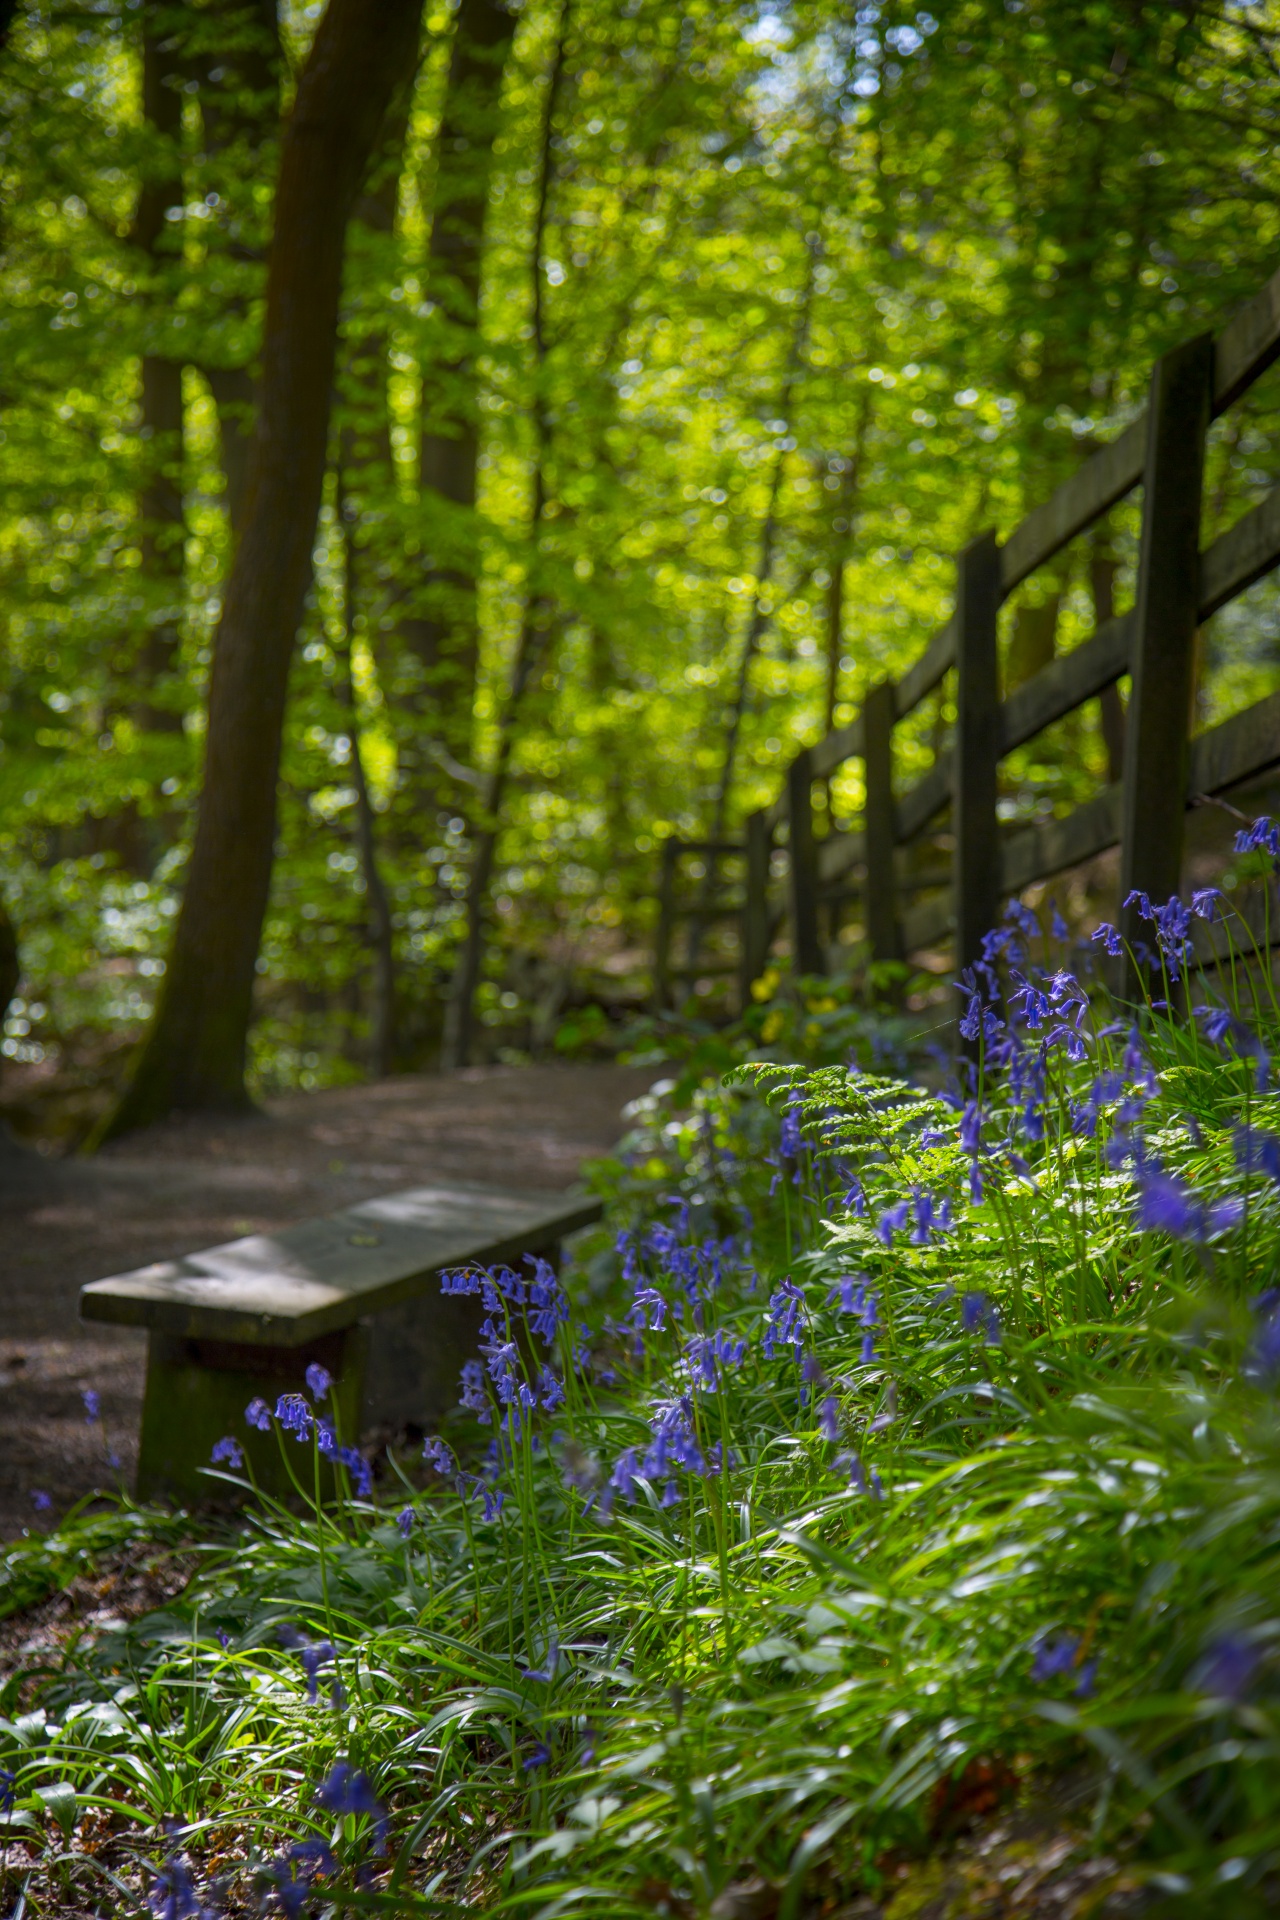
x=1178 y=587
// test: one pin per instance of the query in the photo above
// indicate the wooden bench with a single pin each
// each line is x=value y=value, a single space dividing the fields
x=356 y=1291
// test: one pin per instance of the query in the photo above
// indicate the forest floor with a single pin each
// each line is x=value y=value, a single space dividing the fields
x=189 y=1185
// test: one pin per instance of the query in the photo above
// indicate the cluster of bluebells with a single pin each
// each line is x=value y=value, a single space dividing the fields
x=294 y=1415
x=501 y=1379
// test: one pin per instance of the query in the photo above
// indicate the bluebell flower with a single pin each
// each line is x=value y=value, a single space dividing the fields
x=1057 y=925
x=977 y=1313
x=294 y=1415
x=406 y=1520
x=8 y=1785
x=346 y=1791
x=781 y=1326
x=1227 y=1669
x=313 y=1658
x=892 y=1221
x=42 y=1502
x=1054 y=1656
x=1167 y=1205
x=258 y=1414
x=327 y=1439
x=461 y=1280
x=474 y=1397
x=492 y=1502
x=851 y=1465
x=708 y=1356
x=855 y=1197
x=548 y=1299
x=437 y=1455
x=547 y=1671
x=92 y=1405
x=173 y=1895
x=1021 y=917
x=1223 y=1029
x=649 y=1302
x=971 y=1128
x=539 y=1757
x=550 y=1390
x=626 y=1473
x=1207 y=903
x=670 y=1496
x=1258 y=1152
x=850 y=1290
x=230 y=1451
x=359 y=1469
x=1261 y=837
x=1263 y=1363
x=319 y=1380
x=829 y=1418
x=931 y=1218
x=1142 y=901
x=1108 y=938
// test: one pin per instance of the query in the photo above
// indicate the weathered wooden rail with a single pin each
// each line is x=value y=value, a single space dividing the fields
x=1178 y=586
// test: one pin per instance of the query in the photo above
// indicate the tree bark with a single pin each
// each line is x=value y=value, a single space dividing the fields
x=193 y=1058
x=443 y=633
x=239 y=61
x=160 y=503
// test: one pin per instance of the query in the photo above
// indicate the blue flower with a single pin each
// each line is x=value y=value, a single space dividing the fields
x=173 y=1896
x=258 y=1414
x=1227 y=1669
x=829 y=1418
x=1205 y=902
x=1264 y=1351
x=313 y=1658
x=92 y=1405
x=346 y=1791
x=474 y=1397
x=1167 y=1205
x=850 y=1290
x=1054 y=1656
x=319 y=1380
x=781 y=1328
x=649 y=1301
x=1109 y=938
x=359 y=1469
x=1261 y=837
x=437 y=1455
x=539 y=1757
x=8 y=1784
x=548 y=1299
x=626 y=1473
x=294 y=1415
x=978 y=1314
x=461 y=1280
x=1258 y=1152
x=892 y=1221
x=547 y=1671
x=709 y=1355
x=41 y=1502
x=405 y=1520
x=229 y=1450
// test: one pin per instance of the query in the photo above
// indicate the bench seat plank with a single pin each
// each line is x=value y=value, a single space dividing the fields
x=286 y=1289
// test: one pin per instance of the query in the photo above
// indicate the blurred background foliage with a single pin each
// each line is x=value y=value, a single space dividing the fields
x=823 y=290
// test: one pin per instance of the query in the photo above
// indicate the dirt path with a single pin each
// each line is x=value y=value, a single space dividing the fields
x=186 y=1186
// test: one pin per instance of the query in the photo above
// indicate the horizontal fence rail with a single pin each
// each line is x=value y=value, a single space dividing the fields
x=1178 y=586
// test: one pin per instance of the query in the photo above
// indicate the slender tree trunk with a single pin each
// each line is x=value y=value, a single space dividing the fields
x=239 y=61
x=381 y=938
x=443 y=632
x=193 y=1058
x=160 y=504
x=535 y=625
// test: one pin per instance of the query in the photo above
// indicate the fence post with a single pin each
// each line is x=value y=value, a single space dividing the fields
x=666 y=925
x=977 y=747
x=1157 y=730
x=755 y=904
x=879 y=716
x=806 y=947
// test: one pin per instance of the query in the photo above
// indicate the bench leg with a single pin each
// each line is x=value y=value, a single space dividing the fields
x=196 y=1394
x=416 y=1355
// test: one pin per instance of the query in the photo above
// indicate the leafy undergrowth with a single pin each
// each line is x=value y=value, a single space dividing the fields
x=887 y=1521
